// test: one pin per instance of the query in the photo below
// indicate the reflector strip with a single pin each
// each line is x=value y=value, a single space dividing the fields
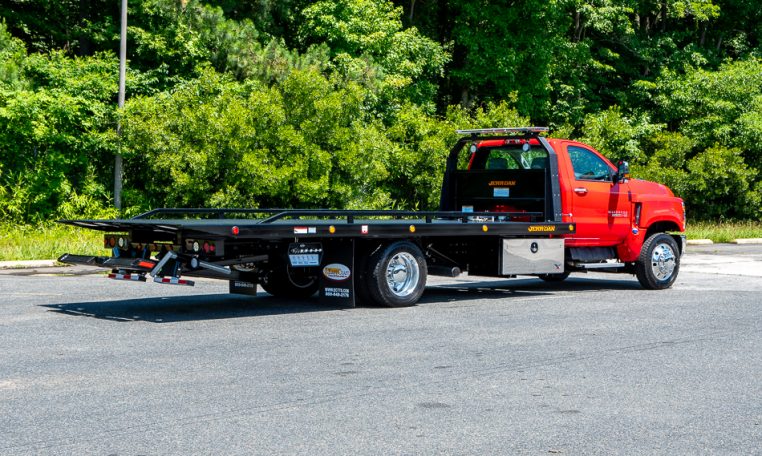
x=133 y=277
x=173 y=281
x=305 y=230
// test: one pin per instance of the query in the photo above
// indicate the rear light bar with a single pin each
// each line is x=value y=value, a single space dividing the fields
x=200 y=245
x=505 y=130
x=123 y=242
x=115 y=240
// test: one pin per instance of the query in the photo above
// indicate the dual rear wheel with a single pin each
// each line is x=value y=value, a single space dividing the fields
x=284 y=281
x=393 y=275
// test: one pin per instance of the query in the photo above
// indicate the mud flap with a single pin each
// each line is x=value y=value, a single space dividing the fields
x=337 y=273
x=243 y=287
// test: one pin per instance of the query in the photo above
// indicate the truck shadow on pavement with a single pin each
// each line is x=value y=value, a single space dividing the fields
x=221 y=306
x=189 y=308
x=521 y=288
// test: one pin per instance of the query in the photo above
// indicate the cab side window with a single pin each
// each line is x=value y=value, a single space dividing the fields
x=587 y=165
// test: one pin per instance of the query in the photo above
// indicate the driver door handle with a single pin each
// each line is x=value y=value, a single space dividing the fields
x=580 y=191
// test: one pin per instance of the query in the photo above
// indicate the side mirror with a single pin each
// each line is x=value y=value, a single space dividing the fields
x=623 y=172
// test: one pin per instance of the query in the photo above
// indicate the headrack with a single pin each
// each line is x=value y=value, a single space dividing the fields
x=507 y=130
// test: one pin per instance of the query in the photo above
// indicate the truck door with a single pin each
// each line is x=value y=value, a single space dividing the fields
x=600 y=208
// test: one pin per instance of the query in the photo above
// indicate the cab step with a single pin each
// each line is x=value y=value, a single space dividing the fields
x=611 y=265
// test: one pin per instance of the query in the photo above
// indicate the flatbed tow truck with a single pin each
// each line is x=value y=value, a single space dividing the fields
x=513 y=202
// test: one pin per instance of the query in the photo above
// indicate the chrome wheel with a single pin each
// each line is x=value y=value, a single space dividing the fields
x=402 y=274
x=396 y=274
x=658 y=263
x=663 y=261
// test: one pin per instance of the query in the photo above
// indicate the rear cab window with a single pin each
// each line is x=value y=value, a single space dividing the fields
x=512 y=157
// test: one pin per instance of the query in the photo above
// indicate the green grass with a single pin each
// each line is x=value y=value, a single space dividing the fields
x=724 y=231
x=47 y=241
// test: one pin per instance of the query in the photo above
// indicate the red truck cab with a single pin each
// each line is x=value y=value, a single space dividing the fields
x=611 y=211
x=622 y=224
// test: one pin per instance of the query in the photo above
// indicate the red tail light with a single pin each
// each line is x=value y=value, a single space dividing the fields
x=146 y=264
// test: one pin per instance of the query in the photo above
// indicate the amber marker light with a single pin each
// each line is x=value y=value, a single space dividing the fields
x=485 y=228
x=571 y=227
x=412 y=228
x=331 y=229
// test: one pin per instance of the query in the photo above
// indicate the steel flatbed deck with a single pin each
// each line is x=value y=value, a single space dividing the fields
x=288 y=224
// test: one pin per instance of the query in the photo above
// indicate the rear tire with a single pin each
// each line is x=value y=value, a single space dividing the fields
x=396 y=275
x=284 y=281
x=658 y=263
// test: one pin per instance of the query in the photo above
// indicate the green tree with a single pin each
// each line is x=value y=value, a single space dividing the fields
x=56 y=134
x=80 y=27
x=369 y=45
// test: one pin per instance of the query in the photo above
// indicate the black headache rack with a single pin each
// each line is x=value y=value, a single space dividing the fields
x=551 y=184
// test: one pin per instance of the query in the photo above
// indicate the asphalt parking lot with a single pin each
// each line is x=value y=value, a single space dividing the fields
x=594 y=365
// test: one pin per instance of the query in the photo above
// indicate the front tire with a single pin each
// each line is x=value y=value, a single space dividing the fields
x=397 y=275
x=658 y=263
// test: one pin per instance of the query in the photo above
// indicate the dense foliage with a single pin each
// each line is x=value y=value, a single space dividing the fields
x=353 y=103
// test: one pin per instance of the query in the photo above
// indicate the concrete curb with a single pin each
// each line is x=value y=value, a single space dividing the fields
x=699 y=242
x=747 y=241
x=28 y=264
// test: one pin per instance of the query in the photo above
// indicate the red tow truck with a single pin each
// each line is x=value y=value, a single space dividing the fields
x=513 y=202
